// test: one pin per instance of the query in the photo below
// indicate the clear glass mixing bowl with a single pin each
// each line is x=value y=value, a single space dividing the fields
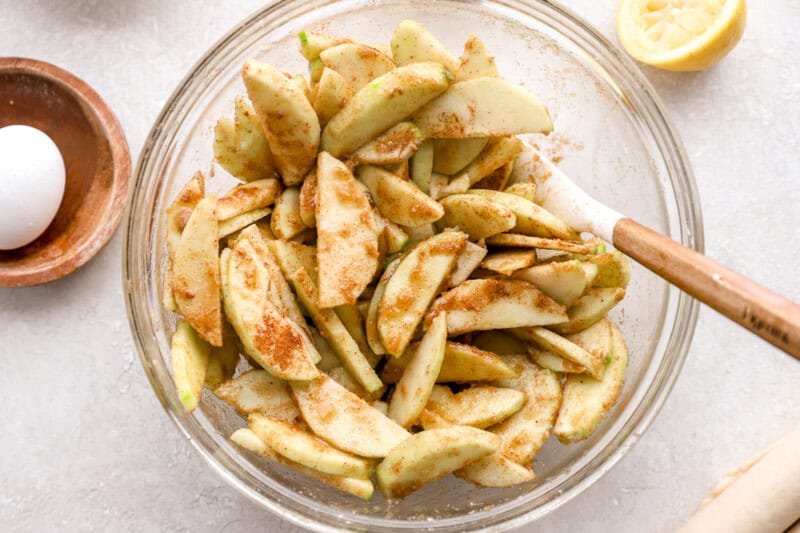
x=616 y=142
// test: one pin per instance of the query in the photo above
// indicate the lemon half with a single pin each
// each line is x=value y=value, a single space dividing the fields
x=680 y=35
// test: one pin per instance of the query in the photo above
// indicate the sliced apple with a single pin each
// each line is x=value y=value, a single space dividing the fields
x=401 y=169
x=531 y=219
x=613 y=270
x=285 y=221
x=394 y=146
x=257 y=391
x=354 y=324
x=483 y=107
x=299 y=82
x=222 y=360
x=347 y=236
x=240 y=146
x=461 y=363
x=412 y=43
x=272 y=339
x=499 y=342
x=332 y=328
x=431 y=455
x=328 y=358
x=452 y=155
x=523 y=190
x=313 y=43
x=587 y=400
x=596 y=339
x=381 y=104
x=479 y=217
x=190 y=355
x=308 y=200
x=303 y=447
x=590 y=308
x=517 y=240
x=478 y=406
x=422 y=166
x=371 y=323
x=495 y=470
x=358 y=63
x=345 y=420
x=497 y=153
x=419 y=234
x=331 y=93
x=292 y=256
x=484 y=304
x=419 y=376
x=381 y=406
x=195 y=272
x=563 y=282
x=511 y=261
x=556 y=363
x=239 y=222
x=343 y=378
x=468 y=260
x=525 y=432
x=247 y=197
x=399 y=200
x=412 y=287
x=289 y=121
x=394 y=238
x=497 y=179
x=247 y=439
x=178 y=214
x=475 y=61
x=555 y=343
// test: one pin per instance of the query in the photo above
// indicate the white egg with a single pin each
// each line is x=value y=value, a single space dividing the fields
x=32 y=178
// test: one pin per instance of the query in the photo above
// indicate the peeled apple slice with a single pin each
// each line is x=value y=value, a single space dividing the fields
x=479 y=406
x=412 y=43
x=190 y=355
x=431 y=455
x=495 y=470
x=258 y=391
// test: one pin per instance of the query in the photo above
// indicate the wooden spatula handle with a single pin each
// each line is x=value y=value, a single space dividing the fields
x=768 y=315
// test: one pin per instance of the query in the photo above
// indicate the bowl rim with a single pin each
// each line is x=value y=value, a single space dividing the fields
x=679 y=338
x=108 y=126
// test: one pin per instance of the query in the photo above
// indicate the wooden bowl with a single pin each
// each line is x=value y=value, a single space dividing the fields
x=96 y=158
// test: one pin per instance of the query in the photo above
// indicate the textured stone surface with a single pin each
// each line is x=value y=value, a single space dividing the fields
x=86 y=445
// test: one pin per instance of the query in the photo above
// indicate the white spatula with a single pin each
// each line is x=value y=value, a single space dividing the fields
x=768 y=315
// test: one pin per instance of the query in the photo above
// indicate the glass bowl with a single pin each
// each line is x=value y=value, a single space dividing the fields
x=615 y=141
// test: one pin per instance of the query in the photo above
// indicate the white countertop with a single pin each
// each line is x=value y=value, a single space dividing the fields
x=86 y=445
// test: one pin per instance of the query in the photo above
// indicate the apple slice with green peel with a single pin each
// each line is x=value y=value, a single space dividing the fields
x=345 y=420
x=414 y=284
x=312 y=43
x=223 y=359
x=399 y=200
x=468 y=260
x=290 y=124
x=381 y=104
x=195 y=272
x=247 y=439
x=178 y=214
x=394 y=238
x=303 y=447
x=358 y=63
x=479 y=406
x=475 y=61
x=430 y=455
x=500 y=343
x=315 y=70
x=331 y=93
x=258 y=391
x=613 y=270
x=496 y=154
x=517 y=240
x=452 y=155
x=553 y=342
x=419 y=376
x=587 y=400
x=331 y=326
x=495 y=470
x=190 y=355
x=589 y=309
x=412 y=43
x=285 y=221
x=240 y=146
x=596 y=339
x=523 y=190
x=394 y=146
x=509 y=262
x=525 y=431
x=563 y=282
x=479 y=217
x=371 y=323
x=484 y=304
x=483 y=107
x=247 y=197
x=461 y=363
x=232 y=225
x=551 y=361
x=347 y=235
x=422 y=166
x=531 y=219
x=272 y=339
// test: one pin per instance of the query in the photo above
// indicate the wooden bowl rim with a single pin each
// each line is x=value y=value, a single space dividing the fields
x=111 y=130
